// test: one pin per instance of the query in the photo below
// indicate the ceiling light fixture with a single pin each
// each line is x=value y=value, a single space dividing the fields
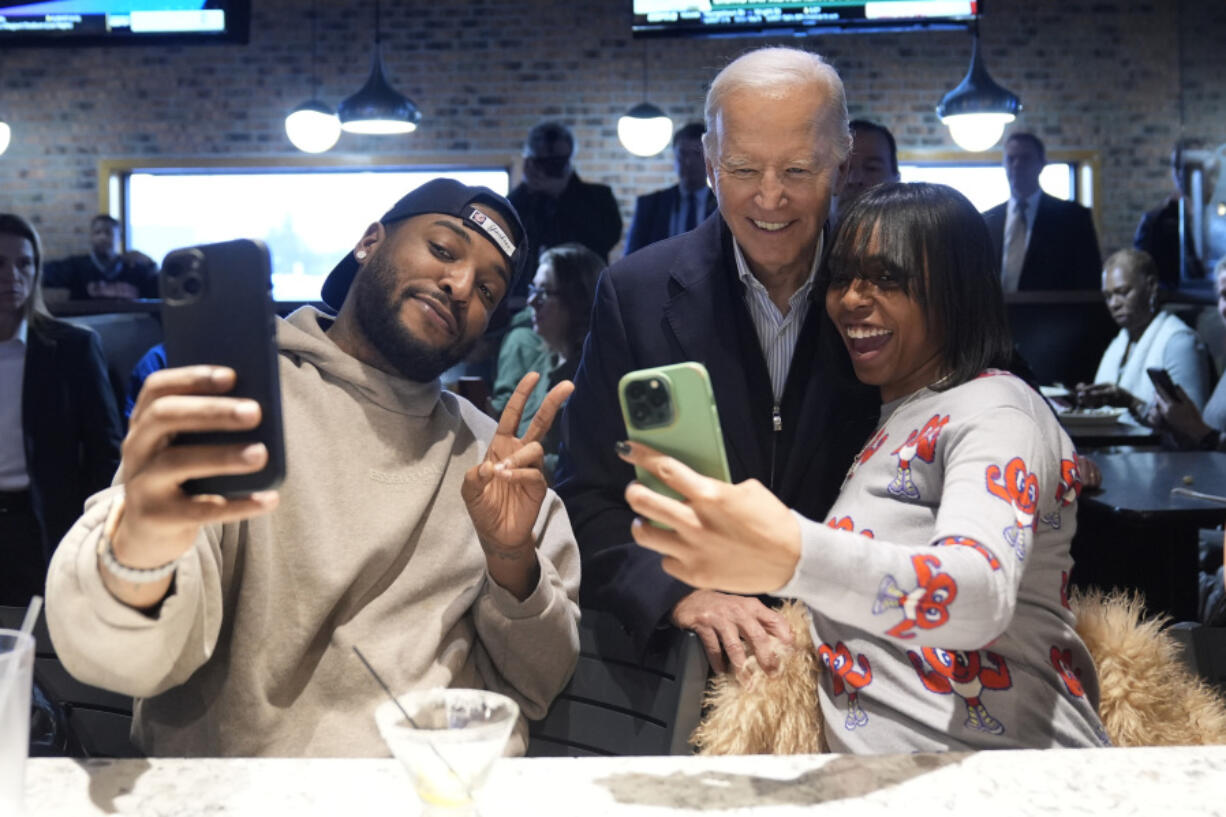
x=977 y=111
x=378 y=108
x=312 y=127
x=5 y=134
x=645 y=130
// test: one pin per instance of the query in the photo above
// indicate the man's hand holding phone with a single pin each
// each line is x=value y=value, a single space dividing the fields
x=160 y=521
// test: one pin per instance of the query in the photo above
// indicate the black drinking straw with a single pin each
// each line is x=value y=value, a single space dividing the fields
x=412 y=722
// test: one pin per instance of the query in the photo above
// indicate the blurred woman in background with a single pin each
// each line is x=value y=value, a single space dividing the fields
x=560 y=306
x=59 y=425
x=1149 y=339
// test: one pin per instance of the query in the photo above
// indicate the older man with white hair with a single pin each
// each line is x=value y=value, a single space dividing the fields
x=737 y=295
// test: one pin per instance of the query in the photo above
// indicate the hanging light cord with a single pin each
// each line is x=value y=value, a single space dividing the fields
x=314 y=55
x=377 y=40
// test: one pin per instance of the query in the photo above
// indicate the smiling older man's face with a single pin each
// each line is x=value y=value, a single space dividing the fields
x=774 y=171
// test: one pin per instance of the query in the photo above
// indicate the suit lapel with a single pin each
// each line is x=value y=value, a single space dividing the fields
x=703 y=316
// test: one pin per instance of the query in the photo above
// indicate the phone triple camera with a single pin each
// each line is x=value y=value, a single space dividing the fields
x=648 y=403
x=183 y=276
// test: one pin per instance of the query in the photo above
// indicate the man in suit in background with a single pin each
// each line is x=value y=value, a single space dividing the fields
x=680 y=208
x=1158 y=232
x=1044 y=242
x=874 y=161
x=738 y=294
x=556 y=206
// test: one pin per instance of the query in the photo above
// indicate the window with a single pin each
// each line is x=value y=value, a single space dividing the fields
x=1068 y=175
x=309 y=216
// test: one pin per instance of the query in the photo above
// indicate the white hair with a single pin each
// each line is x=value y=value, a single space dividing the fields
x=774 y=69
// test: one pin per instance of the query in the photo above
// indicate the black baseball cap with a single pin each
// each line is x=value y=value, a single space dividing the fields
x=449 y=197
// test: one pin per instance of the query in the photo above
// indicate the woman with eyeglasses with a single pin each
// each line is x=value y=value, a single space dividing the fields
x=938 y=582
x=547 y=337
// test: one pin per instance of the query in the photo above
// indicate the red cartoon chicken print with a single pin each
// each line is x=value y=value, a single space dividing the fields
x=921 y=445
x=1062 y=662
x=844 y=677
x=1066 y=492
x=967 y=675
x=1020 y=488
x=926 y=606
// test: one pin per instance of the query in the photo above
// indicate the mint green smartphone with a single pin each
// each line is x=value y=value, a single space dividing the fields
x=672 y=409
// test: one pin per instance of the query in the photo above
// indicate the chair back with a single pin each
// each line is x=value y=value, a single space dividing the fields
x=622 y=703
x=98 y=722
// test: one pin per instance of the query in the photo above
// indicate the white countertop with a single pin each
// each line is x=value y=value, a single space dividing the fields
x=1109 y=782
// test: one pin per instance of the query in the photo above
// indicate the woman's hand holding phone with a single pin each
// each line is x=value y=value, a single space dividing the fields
x=1179 y=415
x=736 y=538
x=160 y=521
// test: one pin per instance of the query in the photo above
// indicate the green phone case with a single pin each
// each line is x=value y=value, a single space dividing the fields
x=693 y=435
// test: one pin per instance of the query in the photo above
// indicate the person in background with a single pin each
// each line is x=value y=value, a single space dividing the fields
x=1148 y=338
x=408 y=523
x=559 y=311
x=1158 y=231
x=59 y=426
x=557 y=207
x=106 y=271
x=677 y=209
x=874 y=161
x=151 y=361
x=1189 y=429
x=736 y=294
x=937 y=583
x=1043 y=242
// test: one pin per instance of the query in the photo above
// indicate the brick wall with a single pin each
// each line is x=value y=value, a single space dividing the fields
x=1122 y=77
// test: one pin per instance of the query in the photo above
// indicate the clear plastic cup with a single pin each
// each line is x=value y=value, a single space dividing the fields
x=16 y=678
x=452 y=743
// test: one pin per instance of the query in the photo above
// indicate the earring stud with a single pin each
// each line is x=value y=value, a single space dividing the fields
x=360 y=255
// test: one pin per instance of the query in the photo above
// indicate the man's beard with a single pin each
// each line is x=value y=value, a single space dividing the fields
x=378 y=312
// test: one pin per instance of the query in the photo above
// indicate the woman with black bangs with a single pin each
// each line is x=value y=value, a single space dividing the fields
x=938 y=583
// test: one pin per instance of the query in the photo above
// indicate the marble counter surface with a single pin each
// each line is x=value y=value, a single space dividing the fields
x=1109 y=782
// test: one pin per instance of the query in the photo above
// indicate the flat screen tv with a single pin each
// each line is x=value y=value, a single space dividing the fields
x=122 y=22
x=732 y=18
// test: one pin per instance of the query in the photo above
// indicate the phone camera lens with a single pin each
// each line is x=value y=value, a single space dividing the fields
x=658 y=397
x=638 y=414
x=636 y=390
x=192 y=285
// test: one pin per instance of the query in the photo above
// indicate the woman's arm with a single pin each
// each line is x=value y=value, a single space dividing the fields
x=955 y=588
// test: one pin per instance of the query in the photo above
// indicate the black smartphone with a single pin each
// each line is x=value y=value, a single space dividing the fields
x=1161 y=379
x=217 y=309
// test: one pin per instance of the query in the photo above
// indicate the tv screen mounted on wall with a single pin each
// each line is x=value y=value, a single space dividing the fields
x=732 y=18
x=123 y=22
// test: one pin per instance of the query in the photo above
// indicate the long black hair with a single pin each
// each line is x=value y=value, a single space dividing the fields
x=932 y=242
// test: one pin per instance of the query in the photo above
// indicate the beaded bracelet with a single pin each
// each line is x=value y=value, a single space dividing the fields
x=106 y=553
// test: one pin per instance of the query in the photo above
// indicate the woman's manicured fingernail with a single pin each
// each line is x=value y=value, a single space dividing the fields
x=622 y=447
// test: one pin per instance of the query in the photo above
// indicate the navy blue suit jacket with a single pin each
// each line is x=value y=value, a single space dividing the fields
x=70 y=423
x=1063 y=248
x=676 y=300
x=653 y=215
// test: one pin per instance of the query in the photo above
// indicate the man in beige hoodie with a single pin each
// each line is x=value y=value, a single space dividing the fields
x=407 y=525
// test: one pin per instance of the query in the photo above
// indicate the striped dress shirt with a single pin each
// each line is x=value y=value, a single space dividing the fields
x=777 y=332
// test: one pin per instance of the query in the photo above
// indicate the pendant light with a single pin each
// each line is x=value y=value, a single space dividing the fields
x=377 y=107
x=977 y=111
x=645 y=130
x=313 y=127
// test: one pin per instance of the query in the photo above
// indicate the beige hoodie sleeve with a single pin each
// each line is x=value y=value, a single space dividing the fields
x=529 y=649
x=102 y=641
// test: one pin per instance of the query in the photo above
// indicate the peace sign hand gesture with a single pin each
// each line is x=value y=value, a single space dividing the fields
x=504 y=492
